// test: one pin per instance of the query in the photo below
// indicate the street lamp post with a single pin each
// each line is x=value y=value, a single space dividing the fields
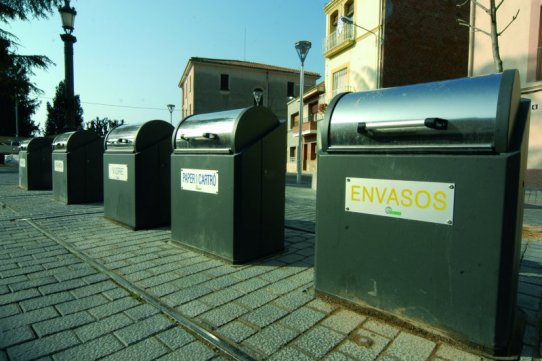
x=347 y=20
x=170 y=107
x=302 y=48
x=68 y=18
x=16 y=117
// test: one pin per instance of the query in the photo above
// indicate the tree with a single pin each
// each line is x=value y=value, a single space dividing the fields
x=103 y=126
x=15 y=69
x=493 y=33
x=24 y=10
x=15 y=89
x=56 y=113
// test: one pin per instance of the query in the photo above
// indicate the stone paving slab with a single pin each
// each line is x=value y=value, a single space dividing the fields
x=84 y=317
x=74 y=285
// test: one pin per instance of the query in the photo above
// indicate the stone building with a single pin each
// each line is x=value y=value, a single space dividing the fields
x=372 y=44
x=210 y=85
x=313 y=112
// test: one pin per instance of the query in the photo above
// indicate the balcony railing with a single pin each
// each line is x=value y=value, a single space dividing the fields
x=309 y=127
x=339 y=40
x=314 y=117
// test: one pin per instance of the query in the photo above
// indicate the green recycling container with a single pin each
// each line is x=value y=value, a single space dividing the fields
x=420 y=205
x=137 y=174
x=77 y=162
x=35 y=164
x=227 y=183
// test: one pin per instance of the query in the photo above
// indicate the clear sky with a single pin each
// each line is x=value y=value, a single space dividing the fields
x=130 y=54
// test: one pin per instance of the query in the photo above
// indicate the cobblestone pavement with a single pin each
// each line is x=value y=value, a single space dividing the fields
x=75 y=286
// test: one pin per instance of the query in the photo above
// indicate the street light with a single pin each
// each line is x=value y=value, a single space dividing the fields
x=347 y=20
x=170 y=107
x=257 y=93
x=67 y=14
x=302 y=48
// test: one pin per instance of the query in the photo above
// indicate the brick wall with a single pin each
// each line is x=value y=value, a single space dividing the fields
x=423 y=41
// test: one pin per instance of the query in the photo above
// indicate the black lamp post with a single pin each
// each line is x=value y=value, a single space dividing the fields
x=302 y=48
x=68 y=18
x=170 y=107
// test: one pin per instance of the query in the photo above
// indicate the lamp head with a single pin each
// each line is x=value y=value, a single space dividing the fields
x=67 y=14
x=303 y=48
x=170 y=107
x=257 y=93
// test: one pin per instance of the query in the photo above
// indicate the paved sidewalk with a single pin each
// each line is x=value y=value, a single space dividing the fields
x=75 y=286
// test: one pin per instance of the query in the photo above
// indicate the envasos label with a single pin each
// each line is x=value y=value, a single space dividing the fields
x=22 y=163
x=58 y=166
x=199 y=180
x=421 y=201
x=118 y=172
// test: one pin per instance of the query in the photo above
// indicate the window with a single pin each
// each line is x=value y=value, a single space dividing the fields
x=340 y=81
x=333 y=20
x=349 y=9
x=313 y=110
x=292 y=152
x=290 y=89
x=224 y=82
x=294 y=120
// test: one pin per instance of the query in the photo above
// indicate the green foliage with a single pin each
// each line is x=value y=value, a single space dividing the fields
x=56 y=112
x=15 y=86
x=23 y=10
x=15 y=69
x=103 y=126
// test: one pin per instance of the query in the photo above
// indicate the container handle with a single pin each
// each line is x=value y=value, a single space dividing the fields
x=118 y=141
x=200 y=136
x=433 y=123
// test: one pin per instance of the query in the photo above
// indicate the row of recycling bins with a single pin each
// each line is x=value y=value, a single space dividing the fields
x=419 y=201
x=222 y=187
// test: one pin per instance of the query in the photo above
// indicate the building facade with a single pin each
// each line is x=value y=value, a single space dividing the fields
x=313 y=111
x=211 y=85
x=381 y=43
x=520 y=48
x=385 y=43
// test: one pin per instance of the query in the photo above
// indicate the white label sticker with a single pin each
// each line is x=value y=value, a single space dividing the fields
x=59 y=166
x=118 y=172
x=199 y=180
x=419 y=201
x=22 y=162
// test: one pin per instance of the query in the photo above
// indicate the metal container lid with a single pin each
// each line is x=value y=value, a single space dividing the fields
x=223 y=132
x=35 y=144
x=467 y=114
x=69 y=141
x=135 y=138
